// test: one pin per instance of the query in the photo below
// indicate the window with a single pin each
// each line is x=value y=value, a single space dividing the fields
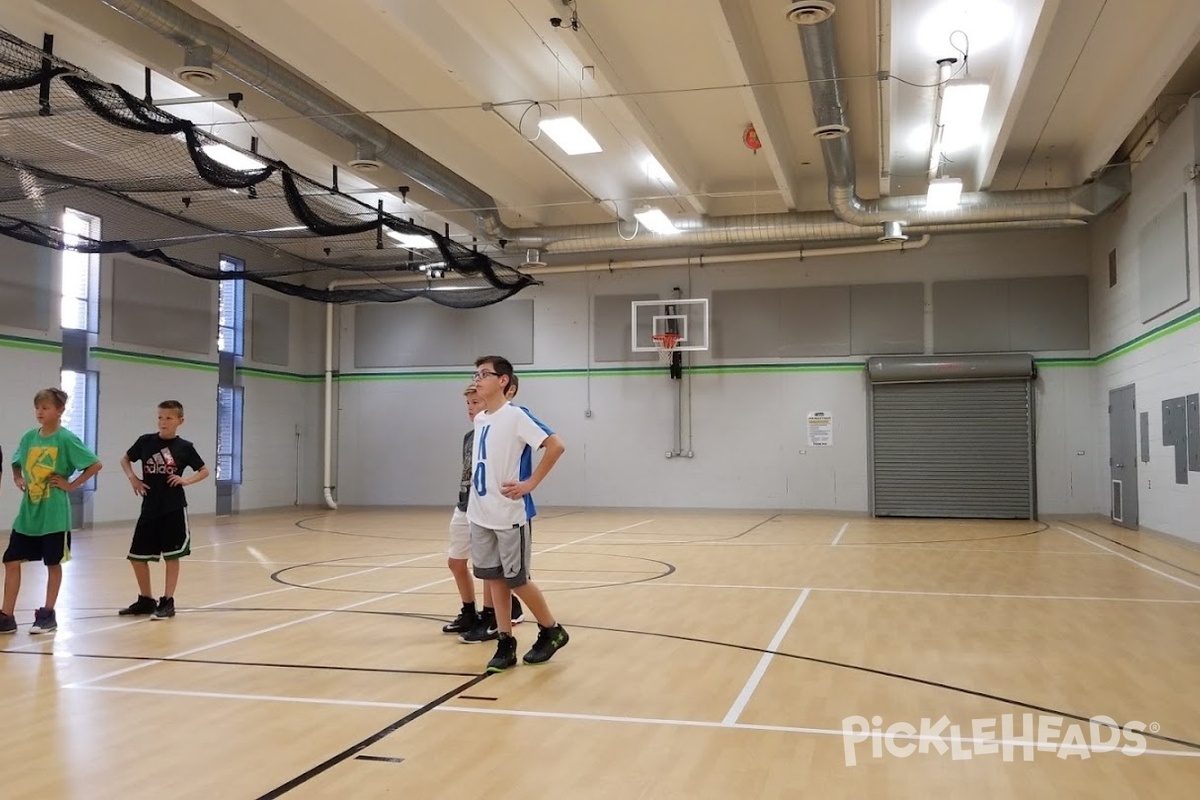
x=231 y=313
x=77 y=309
x=229 y=434
x=79 y=417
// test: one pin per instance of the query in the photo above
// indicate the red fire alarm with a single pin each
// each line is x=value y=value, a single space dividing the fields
x=751 y=140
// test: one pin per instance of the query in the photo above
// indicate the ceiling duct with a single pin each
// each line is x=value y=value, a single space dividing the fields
x=197 y=69
x=364 y=159
x=991 y=212
x=893 y=233
x=810 y=12
x=533 y=258
x=829 y=108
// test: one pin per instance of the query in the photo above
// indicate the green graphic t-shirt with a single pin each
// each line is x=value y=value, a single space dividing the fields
x=45 y=509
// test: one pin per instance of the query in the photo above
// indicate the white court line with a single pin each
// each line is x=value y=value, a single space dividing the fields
x=137 y=621
x=250 y=635
x=1130 y=560
x=593 y=536
x=841 y=530
x=315 y=616
x=1016 y=744
x=739 y=705
x=752 y=587
x=258 y=539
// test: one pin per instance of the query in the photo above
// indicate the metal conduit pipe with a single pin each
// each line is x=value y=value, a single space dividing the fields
x=829 y=108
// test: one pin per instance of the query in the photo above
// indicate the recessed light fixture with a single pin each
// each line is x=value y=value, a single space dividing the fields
x=943 y=194
x=415 y=241
x=234 y=159
x=655 y=220
x=569 y=134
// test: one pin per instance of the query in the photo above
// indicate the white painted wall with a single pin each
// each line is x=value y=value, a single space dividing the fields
x=400 y=431
x=1167 y=367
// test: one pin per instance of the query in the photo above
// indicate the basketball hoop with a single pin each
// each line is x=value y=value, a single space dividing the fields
x=665 y=343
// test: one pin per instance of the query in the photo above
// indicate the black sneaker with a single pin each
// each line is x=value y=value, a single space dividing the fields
x=143 y=605
x=518 y=613
x=464 y=622
x=549 y=642
x=506 y=654
x=484 y=630
x=44 y=621
x=165 y=609
x=8 y=623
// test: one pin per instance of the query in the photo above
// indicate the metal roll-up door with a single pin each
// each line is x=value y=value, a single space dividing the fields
x=953 y=448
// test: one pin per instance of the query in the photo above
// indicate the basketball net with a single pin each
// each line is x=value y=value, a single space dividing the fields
x=665 y=343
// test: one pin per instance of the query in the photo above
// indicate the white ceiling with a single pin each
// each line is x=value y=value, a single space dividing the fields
x=677 y=80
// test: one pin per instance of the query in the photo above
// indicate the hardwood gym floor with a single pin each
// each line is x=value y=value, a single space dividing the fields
x=713 y=655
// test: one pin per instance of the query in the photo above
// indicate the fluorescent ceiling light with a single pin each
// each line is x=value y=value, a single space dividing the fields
x=655 y=171
x=944 y=193
x=414 y=240
x=963 y=103
x=654 y=219
x=234 y=159
x=569 y=134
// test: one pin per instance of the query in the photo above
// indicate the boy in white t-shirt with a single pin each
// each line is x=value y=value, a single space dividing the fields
x=497 y=514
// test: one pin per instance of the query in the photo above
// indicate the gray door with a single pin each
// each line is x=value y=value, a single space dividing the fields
x=1122 y=457
x=953 y=449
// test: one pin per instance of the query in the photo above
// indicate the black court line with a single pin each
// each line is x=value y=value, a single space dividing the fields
x=1134 y=549
x=886 y=674
x=476 y=697
x=355 y=749
x=221 y=663
x=384 y=759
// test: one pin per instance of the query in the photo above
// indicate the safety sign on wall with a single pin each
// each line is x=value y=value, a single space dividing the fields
x=820 y=429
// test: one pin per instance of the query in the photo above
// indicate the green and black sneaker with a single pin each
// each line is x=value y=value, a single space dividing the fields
x=506 y=654
x=549 y=642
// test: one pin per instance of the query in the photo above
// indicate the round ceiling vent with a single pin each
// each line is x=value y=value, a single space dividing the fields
x=365 y=165
x=809 y=12
x=196 y=75
x=893 y=233
x=834 y=131
x=533 y=258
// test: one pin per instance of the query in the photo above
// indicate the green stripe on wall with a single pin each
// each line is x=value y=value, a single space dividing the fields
x=22 y=343
x=107 y=354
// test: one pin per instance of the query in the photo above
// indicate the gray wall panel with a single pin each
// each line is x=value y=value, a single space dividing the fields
x=887 y=318
x=745 y=323
x=1048 y=313
x=270 y=329
x=162 y=308
x=1163 y=260
x=26 y=284
x=415 y=334
x=814 y=322
x=1004 y=315
x=611 y=334
x=970 y=316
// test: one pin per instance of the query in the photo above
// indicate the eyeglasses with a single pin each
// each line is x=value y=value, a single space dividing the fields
x=485 y=373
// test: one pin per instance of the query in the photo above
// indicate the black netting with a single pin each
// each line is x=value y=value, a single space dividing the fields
x=69 y=140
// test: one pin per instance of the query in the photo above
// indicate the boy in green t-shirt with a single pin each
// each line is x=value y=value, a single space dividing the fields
x=42 y=465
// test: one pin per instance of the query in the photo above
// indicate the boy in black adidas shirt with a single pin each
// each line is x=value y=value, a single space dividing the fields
x=162 y=529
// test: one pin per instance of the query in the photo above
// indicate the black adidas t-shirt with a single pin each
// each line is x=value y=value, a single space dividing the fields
x=161 y=458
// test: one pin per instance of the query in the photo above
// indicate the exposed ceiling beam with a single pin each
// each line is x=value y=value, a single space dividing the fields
x=636 y=121
x=744 y=52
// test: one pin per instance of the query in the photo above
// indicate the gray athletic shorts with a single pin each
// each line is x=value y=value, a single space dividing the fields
x=503 y=553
